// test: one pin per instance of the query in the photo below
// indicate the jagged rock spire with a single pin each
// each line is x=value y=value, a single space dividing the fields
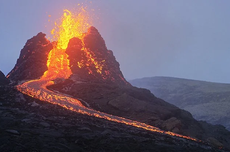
x=31 y=63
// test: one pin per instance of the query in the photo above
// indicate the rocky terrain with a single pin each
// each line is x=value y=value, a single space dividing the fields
x=141 y=105
x=30 y=125
x=98 y=83
x=206 y=101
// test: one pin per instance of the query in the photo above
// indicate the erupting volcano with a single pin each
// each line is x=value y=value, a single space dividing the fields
x=78 y=54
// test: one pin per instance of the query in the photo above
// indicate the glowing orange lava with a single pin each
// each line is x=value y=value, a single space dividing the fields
x=73 y=25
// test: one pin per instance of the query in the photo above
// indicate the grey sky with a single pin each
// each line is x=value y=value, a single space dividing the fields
x=179 y=38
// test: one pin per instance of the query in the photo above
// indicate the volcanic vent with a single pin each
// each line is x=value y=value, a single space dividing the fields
x=88 y=58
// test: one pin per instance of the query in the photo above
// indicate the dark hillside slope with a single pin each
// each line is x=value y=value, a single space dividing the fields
x=205 y=100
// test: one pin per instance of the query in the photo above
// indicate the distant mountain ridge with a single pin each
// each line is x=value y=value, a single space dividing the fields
x=207 y=101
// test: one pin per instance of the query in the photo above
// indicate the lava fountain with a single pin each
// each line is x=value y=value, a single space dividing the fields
x=71 y=26
x=58 y=68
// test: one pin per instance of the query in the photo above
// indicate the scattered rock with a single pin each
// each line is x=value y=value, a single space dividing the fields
x=20 y=97
x=84 y=129
x=106 y=132
x=34 y=104
x=176 y=130
x=26 y=120
x=44 y=124
x=214 y=142
x=172 y=124
x=15 y=132
x=88 y=136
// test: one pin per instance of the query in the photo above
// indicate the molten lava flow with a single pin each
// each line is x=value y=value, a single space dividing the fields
x=58 y=67
x=37 y=89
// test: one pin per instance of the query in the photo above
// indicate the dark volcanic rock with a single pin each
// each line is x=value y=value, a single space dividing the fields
x=3 y=79
x=31 y=63
x=94 y=63
x=21 y=130
x=140 y=105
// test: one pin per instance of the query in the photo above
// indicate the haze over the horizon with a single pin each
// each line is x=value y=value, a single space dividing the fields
x=186 y=39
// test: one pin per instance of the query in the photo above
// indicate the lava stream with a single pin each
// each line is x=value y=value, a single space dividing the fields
x=37 y=89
